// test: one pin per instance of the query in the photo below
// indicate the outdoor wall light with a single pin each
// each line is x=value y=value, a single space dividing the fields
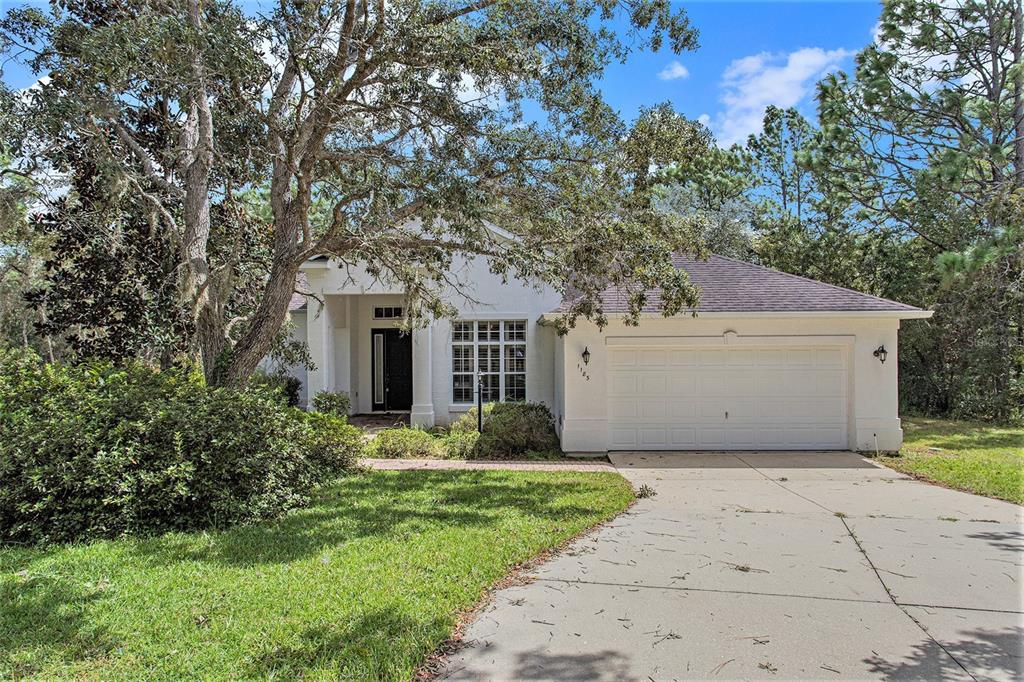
x=586 y=355
x=881 y=353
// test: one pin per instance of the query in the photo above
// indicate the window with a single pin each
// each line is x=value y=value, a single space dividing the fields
x=387 y=313
x=497 y=348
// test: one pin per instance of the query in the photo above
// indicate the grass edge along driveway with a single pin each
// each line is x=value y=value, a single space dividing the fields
x=980 y=458
x=363 y=584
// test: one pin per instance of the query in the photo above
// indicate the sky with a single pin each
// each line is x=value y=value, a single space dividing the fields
x=751 y=54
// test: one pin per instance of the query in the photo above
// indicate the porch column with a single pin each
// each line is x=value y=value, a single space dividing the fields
x=321 y=349
x=422 y=378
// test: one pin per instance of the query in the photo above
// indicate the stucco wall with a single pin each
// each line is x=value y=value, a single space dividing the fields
x=872 y=386
x=339 y=333
x=298 y=333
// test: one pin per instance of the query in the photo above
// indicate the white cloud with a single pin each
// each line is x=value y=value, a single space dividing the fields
x=752 y=83
x=673 y=71
x=704 y=120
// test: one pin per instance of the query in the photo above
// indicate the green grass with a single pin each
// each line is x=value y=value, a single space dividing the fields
x=365 y=584
x=980 y=458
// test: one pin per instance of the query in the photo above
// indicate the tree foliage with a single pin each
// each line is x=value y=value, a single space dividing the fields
x=385 y=133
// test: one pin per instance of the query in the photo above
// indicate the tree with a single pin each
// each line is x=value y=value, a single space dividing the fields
x=710 y=186
x=935 y=113
x=927 y=138
x=780 y=152
x=383 y=132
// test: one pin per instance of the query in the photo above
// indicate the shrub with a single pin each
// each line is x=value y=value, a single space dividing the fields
x=287 y=386
x=459 y=444
x=404 y=443
x=95 y=450
x=511 y=430
x=332 y=403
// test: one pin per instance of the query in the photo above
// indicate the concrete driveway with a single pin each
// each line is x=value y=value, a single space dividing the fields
x=768 y=565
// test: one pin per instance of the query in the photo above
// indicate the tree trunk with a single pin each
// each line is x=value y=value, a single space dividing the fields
x=1018 y=94
x=264 y=325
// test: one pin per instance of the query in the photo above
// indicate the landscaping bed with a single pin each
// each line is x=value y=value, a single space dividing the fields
x=363 y=584
x=985 y=459
x=511 y=431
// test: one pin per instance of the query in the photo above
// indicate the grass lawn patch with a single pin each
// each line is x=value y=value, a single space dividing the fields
x=364 y=584
x=980 y=458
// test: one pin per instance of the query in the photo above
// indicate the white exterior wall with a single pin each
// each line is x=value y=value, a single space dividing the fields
x=339 y=335
x=872 y=400
x=298 y=333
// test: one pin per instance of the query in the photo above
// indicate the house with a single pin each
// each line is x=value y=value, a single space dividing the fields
x=769 y=361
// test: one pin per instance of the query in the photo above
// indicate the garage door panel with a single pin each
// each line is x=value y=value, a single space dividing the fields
x=652 y=358
x=682 y=409
x=682 y=358
x=683 y=439
x=776 y=398
x=653 y=384
x=623 y=384
x=652 y=436
x=621 y=358
x=622 y=409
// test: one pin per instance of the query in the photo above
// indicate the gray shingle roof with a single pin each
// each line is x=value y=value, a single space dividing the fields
x=298 y=301
x=729 y=285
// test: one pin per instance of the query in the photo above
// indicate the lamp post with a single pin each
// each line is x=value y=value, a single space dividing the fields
x=479 y=401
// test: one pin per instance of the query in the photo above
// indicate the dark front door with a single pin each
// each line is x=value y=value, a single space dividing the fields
x=392 y=369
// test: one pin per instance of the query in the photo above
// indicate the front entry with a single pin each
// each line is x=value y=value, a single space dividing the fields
x=391 y=357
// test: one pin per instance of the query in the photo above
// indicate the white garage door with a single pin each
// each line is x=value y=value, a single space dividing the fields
x=741 y=398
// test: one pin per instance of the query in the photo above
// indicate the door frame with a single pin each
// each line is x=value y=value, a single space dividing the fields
x=379 y=355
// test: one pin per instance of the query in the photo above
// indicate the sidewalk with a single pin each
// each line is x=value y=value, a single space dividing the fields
x=442 y=464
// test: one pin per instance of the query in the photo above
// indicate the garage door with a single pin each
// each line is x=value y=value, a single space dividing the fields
x=741 y=398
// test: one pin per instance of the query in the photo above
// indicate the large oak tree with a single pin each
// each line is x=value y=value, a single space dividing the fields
x=388 y=133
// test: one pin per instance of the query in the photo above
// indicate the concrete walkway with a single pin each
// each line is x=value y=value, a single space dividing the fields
x=776 y=566
x=434 y=464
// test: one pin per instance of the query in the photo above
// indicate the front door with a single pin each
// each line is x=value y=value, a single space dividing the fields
x=392 y=369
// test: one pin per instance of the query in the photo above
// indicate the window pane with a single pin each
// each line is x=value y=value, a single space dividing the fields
x=462 y=359
x=491 y=388
x=515 y=387
x=515 y=358
x=488 y=331
x=515 y=331
x=462 y=388
x=462 y=331
x=490 y=358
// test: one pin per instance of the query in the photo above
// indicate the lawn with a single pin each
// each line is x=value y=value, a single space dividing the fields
x=364 y=584
x=980 y=458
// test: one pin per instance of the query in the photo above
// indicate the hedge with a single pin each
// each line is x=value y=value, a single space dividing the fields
x=94 y=450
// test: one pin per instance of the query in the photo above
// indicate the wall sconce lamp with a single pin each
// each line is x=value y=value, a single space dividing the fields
x=586 y=355
x=881 y=353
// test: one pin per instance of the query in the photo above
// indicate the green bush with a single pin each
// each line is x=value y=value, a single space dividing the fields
x=332 y=403
x=95 y=450
x=404 y=443
x=511 y=430
x=287 y=386
x=459 y=444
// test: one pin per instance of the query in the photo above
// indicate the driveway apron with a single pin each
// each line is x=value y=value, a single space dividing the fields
x=773 y=566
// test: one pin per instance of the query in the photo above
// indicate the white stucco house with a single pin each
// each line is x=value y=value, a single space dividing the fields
x=770 y=361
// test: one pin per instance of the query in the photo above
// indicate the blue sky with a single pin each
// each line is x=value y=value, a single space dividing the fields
x=752 y=54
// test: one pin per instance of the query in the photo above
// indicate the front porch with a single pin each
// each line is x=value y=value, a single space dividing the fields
x=357 y=347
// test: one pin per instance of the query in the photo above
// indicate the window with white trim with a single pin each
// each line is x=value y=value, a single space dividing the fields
x=497 y=348
x=387 y=313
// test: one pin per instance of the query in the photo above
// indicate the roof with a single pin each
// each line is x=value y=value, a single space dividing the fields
x=729 y=285
x=298 y=301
